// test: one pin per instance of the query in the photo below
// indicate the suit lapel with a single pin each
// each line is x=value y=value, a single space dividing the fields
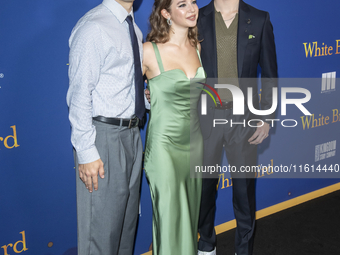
x=244 y=24
x=209 y=34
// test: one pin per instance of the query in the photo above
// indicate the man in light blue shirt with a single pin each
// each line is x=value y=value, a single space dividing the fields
x=105 y=54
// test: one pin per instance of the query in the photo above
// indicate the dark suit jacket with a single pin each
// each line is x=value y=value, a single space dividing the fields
x=250 y=53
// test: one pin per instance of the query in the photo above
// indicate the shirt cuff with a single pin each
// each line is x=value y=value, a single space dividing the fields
x=88 y=156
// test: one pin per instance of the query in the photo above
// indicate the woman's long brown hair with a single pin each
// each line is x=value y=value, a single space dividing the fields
x=160 y=30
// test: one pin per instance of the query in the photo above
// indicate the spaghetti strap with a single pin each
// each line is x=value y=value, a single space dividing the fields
x=199 y=55
x=158 y=57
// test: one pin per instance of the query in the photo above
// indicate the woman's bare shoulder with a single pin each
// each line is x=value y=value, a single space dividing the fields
x=147 y=47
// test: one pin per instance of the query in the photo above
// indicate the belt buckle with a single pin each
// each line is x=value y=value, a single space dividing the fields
x=130 y=122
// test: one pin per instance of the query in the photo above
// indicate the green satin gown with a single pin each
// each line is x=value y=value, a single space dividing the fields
x=174 y=146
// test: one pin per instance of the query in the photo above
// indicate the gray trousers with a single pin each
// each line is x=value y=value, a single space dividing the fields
x=107 y=218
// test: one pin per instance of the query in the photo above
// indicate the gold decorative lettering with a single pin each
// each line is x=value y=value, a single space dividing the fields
x=14 y=136
x=337 y=47
x=326 y=120
x=309 y=50
x=223 y=186
x=23 y=241
x=5 y=248
x=335 y=115
x=306 y=120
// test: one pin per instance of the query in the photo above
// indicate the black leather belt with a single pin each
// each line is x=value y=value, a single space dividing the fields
x=130 y=123
x=224 y=106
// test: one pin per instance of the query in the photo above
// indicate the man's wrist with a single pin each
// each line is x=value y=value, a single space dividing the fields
x=88 y=156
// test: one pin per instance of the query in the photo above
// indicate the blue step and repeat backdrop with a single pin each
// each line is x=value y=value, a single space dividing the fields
x=37 y=191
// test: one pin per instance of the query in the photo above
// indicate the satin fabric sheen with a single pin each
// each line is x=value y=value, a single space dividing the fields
x=174 y=146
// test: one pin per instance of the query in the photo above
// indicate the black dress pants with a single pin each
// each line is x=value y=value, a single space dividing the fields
x=239 y=153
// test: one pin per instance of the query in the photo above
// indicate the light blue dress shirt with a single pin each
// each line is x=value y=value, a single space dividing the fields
x=101 y=73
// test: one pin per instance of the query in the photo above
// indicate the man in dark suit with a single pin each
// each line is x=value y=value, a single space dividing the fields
x=236 y=38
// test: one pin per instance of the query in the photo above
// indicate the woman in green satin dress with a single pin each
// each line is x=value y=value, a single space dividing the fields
x=174 y=144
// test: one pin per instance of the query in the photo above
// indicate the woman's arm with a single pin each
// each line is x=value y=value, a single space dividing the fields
x=150 y=65
x=146 y=53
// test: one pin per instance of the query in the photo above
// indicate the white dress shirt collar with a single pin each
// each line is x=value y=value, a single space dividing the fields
x=118 y=10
